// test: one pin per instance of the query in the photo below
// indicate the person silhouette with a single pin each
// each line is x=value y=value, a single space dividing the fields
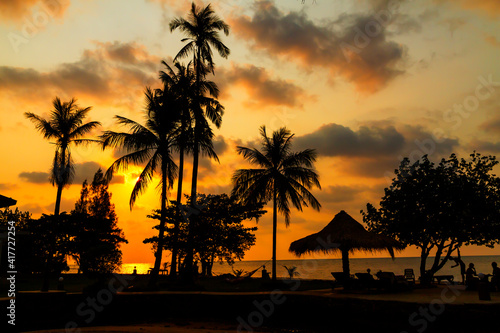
x=265 y=274
x=471 y=279
x=495 y=278
x=135 y=271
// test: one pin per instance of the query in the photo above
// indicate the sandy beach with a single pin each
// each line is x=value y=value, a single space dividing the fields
x=443 y=308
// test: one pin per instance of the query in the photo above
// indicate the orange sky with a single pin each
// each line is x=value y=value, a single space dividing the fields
x=364 y=82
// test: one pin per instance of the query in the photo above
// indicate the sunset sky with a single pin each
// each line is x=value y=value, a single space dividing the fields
x=364 y=82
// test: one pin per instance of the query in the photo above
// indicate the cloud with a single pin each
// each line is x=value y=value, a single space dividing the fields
x=8 y=186
x=485 y=146
x=108 y=72
x=35 y=177
x=17 y=11
x=375 y=168
x=337 y=140
x=85 y=170
x=220 y=145
x=343 y=47
x=491 y=126
x=490 y=8
x=339 y=194
x=33 y=209
x=262 y=88
x=376 y=140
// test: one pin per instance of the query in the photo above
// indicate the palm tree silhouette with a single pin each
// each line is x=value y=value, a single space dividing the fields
x=284 y=177
x=182 y=84
x=150 y=144
x=66 y=127
x=202 y=29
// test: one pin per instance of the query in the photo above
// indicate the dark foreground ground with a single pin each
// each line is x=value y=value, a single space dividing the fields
x=221 y=306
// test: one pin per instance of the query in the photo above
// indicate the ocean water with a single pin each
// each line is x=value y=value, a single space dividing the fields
x=321 y=268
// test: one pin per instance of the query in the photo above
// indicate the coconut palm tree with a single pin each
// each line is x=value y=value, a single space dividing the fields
x=202 y=28
x=148 y=144
x=284 y=177
x=182 y=83
x=66 y=126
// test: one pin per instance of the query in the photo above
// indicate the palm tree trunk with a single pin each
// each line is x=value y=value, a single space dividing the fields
x=175 y=246
x=59 y=180
x=60 y=185
x=58 y=199
x=275 y=225
x=345 y=262
x=163 y=216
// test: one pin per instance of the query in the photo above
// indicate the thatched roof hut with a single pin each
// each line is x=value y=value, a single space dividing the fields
x=6 y=202
x=346 y=235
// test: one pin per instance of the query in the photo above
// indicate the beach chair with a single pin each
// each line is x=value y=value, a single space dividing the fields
x=389 y=281
x=341 y=279
x=409 y=275
x=366 y=280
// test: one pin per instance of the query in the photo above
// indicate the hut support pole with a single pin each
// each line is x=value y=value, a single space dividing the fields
x=345 y=262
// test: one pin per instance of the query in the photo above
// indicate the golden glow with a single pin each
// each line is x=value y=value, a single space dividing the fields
x=108 y=64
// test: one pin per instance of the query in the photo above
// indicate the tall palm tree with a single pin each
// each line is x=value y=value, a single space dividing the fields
x=150 y=144
x=182 y=84
x=283 y=177
x=66 y=127
x=202 y=28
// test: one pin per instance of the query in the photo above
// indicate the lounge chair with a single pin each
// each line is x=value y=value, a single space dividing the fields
x=341 y=279
x=409 y=275
x=389 y=281
x=440 y=278
x=366 y=280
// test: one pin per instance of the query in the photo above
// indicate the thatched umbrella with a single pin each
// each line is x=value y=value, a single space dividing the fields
x=346 y=235
x=6 y=202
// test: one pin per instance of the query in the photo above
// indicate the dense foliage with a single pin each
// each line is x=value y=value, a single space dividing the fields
x=440 y=207
x=218 y=234
x=96 y=237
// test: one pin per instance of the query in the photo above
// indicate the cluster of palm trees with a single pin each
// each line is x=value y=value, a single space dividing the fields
x=178 y=118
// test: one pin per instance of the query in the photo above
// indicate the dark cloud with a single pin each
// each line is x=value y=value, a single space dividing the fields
x=86 y=171
x=83 y=171
x=35 y=177
x=424 y=141
x=262 y=88
x=377 y=140
x=337 y=140
x=382 y=167
x=354 y=47
x=339 y=194
x=107 y=72
x=485 y=146
x=220 y=145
